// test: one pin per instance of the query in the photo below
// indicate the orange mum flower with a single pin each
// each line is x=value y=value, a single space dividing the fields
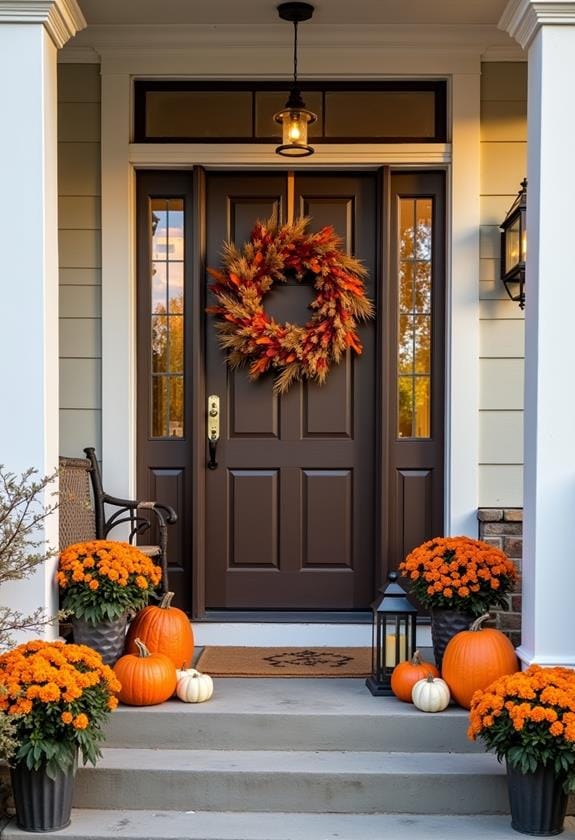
x=473 y=575
x=530 y=713
x=104 y=572
x=54 y=691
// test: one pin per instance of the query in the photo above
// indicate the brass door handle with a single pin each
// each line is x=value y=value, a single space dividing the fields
x=213 y=425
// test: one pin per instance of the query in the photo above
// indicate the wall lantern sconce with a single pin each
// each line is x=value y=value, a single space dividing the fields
x=514 y=247
x=295 y=118
x=393 y=635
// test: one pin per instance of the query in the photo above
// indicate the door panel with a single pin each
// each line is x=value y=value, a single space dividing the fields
x=290 y=509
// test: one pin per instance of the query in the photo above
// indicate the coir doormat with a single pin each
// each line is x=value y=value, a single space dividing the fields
x=285 y=662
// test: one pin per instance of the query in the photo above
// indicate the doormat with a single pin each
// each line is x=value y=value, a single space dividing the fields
x=285 y=662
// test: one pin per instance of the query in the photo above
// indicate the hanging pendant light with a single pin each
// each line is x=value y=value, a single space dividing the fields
x=295 y=118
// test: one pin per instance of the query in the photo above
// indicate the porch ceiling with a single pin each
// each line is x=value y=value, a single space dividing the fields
x=112 y=12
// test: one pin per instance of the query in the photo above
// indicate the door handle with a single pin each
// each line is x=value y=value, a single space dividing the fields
x=213 y=429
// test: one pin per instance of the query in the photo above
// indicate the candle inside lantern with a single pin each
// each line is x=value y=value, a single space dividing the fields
x=390 y=660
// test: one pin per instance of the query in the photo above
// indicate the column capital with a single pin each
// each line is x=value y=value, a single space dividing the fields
x=522 y=19
x=61 y=18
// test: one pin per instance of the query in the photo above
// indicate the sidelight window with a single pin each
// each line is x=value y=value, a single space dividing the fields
x=414 y=318
x=167 y=317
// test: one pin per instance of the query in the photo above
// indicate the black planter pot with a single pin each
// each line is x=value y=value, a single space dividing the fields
x=444 y=625
x=537 y=800
x=107 y=637
x=42 y=804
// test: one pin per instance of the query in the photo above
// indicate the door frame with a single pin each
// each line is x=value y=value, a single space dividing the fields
x=460 y=159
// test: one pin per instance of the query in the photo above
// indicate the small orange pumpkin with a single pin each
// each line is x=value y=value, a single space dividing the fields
x=163 y=629
x=147 y=678
x=476 y=657
x=406 y=674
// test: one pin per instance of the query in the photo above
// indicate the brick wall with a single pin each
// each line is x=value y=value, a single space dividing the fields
x=503 y=527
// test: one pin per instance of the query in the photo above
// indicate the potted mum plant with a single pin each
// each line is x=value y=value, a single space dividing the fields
x=58 y=696
x=458 y=579
x=528 y=718
x=101 y=582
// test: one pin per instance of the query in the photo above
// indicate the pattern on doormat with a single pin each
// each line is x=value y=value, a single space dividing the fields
x=308 y=658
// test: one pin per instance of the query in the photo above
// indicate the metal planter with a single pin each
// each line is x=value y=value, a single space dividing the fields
x=42 y=804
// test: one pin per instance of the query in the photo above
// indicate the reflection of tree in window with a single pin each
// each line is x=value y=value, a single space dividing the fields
x=414 y=318
x=168 y=359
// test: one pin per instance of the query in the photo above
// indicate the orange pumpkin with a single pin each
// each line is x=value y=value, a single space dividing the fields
x=406 y=674
x=147 y=678
x=163 y=629
x=476 y=657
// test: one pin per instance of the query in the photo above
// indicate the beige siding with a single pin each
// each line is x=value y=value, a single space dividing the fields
x=503 y=166
x=79 y=219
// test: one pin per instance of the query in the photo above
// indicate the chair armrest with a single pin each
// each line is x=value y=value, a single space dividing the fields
x=128 y=513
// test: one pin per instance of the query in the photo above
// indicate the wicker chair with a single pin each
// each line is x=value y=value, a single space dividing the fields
x=83 y=511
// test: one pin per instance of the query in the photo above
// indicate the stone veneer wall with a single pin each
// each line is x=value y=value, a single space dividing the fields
x=503 y=527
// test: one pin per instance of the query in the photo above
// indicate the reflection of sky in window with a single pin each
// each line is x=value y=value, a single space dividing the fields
x=170 y=246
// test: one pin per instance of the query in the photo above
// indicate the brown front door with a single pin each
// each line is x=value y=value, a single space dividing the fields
x=290 y=508
x=318 y=492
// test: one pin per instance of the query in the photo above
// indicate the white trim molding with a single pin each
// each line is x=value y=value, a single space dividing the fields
x=241 y=155
x=360 y=51
x=462 y=321
x=523 y=19
x=62 y=19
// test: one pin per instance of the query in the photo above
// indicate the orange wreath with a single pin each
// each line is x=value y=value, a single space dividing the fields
x=251 y=336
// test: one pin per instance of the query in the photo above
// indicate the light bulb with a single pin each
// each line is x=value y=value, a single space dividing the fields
x=294 y=133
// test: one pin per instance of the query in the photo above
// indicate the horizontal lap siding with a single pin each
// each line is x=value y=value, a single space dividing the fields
x=79 y=221
x=503 y=166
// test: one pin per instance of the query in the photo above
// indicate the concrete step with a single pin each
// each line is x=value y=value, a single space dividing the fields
x=292 y=714
x=196 y=825
x=293 y=781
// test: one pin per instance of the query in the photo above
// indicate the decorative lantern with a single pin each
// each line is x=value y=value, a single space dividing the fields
x=393 y=635
x=295 y=118
x=514 y=247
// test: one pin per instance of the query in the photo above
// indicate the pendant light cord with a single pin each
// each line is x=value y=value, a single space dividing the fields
x=295 y=52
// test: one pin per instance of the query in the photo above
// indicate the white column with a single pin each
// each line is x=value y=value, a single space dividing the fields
x=118 y=289
x=547 y=29
x=30 y=35
x=462 y=404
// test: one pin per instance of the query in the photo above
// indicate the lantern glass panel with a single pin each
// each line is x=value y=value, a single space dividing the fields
x=512 y=245
x=294 y=129
x=396 y=641
x=523 y=235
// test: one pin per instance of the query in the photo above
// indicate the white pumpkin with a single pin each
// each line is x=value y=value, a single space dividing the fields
x=431 y=694
x=194 y=687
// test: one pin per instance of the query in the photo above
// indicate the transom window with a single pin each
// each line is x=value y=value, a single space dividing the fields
x=227 y=112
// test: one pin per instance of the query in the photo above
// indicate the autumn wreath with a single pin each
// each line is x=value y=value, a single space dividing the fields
x=251 y=336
